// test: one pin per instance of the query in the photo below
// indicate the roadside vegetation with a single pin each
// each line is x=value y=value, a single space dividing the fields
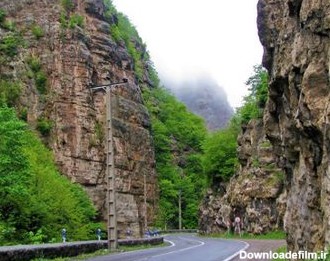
x=32 y=209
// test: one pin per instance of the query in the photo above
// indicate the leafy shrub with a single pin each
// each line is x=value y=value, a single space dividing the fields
x=2 y=16
x=9 y=92
x=37 y=31
x=99 y=132
x=63 y=20
x=41 y=82
x=34 y=63
x=9 y=44
x=44 y=126
x=67 y=5
x=249 y=110
x=115 y=33
x=76 y=20
x=23 y=113
x=9 y=25
x=39 y=76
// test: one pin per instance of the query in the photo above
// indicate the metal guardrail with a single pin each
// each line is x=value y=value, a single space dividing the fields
x=178 y=231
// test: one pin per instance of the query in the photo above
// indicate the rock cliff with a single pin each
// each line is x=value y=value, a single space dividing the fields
x=255 y=193
x=75 y=58
x=295 y=132
x=295 y=35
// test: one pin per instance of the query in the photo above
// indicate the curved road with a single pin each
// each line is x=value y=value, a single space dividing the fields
x=183 y=247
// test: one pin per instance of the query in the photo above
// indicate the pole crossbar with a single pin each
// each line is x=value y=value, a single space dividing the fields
x=109 y=85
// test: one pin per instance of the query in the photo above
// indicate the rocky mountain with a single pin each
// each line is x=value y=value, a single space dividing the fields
x=255 y=194
x=295 y=35
x=204 y=97
x=56 y=51
x=284 y=159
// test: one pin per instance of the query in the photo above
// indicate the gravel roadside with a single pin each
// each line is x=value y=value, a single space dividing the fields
x=257 y=246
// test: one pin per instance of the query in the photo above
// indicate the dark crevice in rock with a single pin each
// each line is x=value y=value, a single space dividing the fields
x=294 y=8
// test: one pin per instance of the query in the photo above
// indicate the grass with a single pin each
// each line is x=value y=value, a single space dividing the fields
x=270 y=235
x=102 y=252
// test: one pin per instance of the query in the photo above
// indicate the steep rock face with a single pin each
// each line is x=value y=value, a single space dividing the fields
x=295 y=35
x=75 y=60
x=255 y=194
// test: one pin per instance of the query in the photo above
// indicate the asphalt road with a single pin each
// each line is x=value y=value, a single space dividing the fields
x=183 y=248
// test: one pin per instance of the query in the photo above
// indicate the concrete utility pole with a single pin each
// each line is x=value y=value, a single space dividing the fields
x=180 y=211
x=180 y=200
x=110 y=168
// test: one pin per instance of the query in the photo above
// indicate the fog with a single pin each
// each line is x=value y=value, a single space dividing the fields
x=203 y=96
x=187 y=38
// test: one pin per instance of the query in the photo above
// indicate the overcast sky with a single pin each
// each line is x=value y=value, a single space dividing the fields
x=190 y=37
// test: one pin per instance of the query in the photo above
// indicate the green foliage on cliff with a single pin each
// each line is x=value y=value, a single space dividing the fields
x=67 y=5
x=9 y=92
x=2 y=16
x=9 y=44
x=39 y=76
x=220 y=158
x=32 y=209
x=37 y=31
x=178 y=136
x=76 y=20
x=123 y=30
x=255 y=102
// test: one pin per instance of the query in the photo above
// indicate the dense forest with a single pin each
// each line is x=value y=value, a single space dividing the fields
x=188 y=159
x=32 y=209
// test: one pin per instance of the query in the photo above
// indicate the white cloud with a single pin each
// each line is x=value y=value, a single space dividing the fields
x=186 y=37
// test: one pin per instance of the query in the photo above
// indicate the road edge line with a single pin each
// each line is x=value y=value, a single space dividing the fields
x=236 y=253
x=169 y=241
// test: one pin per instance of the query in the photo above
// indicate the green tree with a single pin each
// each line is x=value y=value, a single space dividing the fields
x=255 y=101
x=258 y=83
x=178 y=136
x=220 y=157
x=31 y=207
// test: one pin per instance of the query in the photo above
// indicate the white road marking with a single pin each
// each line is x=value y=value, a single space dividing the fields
x=175 y=251
x=236 y=253
x=172 y=243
